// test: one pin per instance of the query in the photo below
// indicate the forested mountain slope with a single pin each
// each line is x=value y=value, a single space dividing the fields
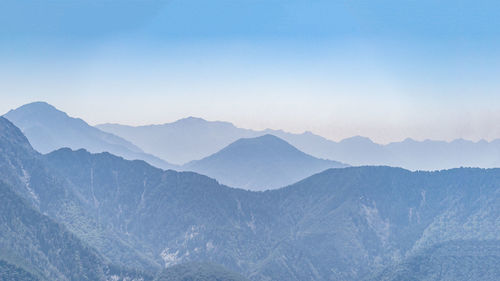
x=341 y=224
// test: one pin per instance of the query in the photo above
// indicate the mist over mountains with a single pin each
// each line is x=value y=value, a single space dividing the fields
x=192 y=139
x=201 y=138
x=256 y=165
x=49 y=129
x=114 y=219
x=265 y=162
x=242 y=177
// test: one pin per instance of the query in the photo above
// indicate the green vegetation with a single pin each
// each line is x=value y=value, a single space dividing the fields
x=73 y=215
x=457 y=260
x=10 y=272
x=198 y=272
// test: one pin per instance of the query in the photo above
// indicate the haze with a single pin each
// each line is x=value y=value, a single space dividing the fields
x=420 y=69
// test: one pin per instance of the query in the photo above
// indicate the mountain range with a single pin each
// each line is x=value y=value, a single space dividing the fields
x=49 y=129
x=127 y=219
x=194 y=138
x=265 y=162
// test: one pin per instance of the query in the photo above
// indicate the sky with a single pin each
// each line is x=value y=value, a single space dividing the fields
x=387 y=70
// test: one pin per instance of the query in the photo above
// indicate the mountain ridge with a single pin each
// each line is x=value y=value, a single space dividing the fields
x=339 y=224
x=264 y=162
x=49 y=129
x=203 y=141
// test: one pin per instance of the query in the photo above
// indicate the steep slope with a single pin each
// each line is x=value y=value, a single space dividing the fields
x=265 y=162
x=51 y=252
x=341 y=224
x=198 y=272
x=47 y=247
x=50 y=193
x=457 y=260
x=194 y=138
x=11 y=272
x=170 y=216
x=49 y=129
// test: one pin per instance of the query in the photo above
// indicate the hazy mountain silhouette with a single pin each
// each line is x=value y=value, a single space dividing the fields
x=48 y=129
x=265 y=162
x=181 y=141
x=32 y=198
x=194 y=138
x=49 y=246
x=340 y=224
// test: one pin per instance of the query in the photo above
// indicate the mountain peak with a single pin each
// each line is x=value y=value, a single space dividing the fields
x=357 y=140
x=266 y=137
x=260 y=163
x=48 y=129
x=10 y=134
x=39 y=109
x=191 y=119
x=199 y=122
x=265 y=141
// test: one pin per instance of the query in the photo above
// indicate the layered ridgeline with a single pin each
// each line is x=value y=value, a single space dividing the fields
x=34 y=246
x=48 y=231
x=341 y=224
x=194 y=138
x=48 y=129
x=260 y=163
x=182 y=141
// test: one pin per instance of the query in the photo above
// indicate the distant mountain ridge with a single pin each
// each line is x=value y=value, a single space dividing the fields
x=265 y=162
x=182 y=141
x=49 y=129
x=340 y=224
x=192 y=138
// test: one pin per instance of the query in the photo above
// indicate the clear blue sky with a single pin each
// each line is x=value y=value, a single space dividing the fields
x=383 y=69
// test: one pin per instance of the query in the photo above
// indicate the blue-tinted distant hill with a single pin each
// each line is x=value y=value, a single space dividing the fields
x=340 y=224
x=182 y=141
x=49 y=129
x=265 y=162
x=194 y=138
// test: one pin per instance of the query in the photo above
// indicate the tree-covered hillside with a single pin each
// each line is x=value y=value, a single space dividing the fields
x=198 y=271
x=46 y=247
x=341 y=224
x=11 y=272
x=454 y=261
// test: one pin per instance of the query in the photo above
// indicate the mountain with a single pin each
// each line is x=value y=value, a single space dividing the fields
x=457 y=260
x=46 y=247
x=54 y=245
x=340 y=224
x=198 y=272
x=265 y=162
x=49 y=193
x=194 y=138
x=181 y=141
x=11 y=272
x=48 y=129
